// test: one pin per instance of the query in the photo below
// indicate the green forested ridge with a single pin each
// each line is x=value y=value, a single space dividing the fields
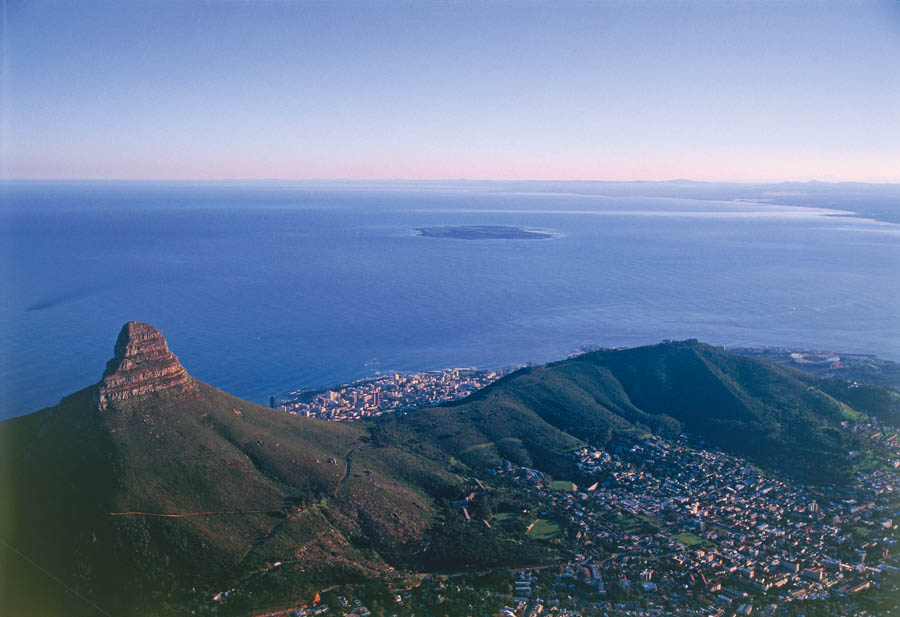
x=772 y=415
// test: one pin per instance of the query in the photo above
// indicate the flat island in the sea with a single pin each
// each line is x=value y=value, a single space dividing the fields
x=482 y=232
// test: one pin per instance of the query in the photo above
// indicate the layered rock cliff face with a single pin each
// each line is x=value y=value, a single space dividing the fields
x=142 y=364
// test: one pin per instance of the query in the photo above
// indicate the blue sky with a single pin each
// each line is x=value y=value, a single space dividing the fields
x=708 y=91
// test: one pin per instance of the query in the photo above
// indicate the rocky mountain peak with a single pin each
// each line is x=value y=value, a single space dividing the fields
x=142 y=364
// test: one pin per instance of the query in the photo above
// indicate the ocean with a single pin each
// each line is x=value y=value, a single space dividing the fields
x=264 y=287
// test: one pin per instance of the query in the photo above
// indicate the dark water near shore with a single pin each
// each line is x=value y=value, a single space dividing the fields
x=263 y=288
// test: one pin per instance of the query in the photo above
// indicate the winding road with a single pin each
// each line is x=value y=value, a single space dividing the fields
x=348 y=459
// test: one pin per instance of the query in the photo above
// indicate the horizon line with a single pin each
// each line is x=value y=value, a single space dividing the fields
x=449 y=179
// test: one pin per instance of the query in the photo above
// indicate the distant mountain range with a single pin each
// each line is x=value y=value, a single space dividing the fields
x=150 y=489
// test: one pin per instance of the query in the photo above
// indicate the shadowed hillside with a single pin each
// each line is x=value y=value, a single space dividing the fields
x=184 y=486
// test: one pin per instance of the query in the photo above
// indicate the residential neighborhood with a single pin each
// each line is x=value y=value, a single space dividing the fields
x=671 y=528
x=388 y=393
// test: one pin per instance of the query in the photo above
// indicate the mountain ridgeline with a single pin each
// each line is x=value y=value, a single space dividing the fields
x=150 y=489
x=774 y=416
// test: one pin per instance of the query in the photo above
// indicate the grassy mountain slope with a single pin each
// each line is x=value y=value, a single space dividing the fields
x=82 y=487
x=752 y=408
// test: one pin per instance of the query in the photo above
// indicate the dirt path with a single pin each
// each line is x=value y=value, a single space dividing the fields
x=349 y=461
x=186 y=514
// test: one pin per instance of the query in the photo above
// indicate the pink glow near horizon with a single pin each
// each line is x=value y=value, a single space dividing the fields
x=547 y=169
x=567 y=90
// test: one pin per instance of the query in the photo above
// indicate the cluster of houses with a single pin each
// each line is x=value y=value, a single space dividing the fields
x=885 y=439
x=389 y=393
x=694 y=531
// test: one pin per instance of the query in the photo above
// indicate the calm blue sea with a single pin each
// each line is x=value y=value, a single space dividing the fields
x=261 y=288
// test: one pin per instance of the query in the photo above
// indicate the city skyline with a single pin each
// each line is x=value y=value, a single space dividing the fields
x=607 y=91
